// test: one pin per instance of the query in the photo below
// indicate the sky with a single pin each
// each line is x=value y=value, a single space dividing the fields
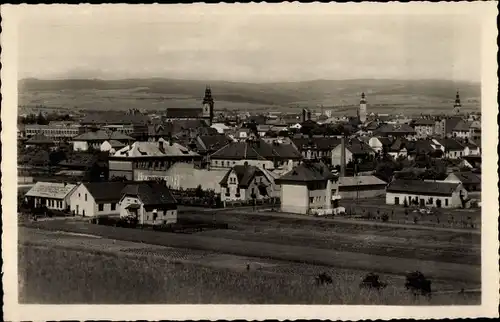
x=244 y=43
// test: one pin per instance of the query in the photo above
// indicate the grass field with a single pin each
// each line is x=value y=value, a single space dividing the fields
x=70 y=269
x=347 y=257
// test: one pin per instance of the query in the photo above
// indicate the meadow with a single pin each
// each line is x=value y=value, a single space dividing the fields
x=55 y=270
x=348 y=253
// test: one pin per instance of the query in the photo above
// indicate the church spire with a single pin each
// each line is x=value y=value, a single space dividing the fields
x=457 y=99
x=208 y=99
x=363 y=100
x=457 y=106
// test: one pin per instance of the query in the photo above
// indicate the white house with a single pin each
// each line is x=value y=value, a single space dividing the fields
x=359 y=187
x=221 y=127
x=425 y=193
x=246 y=182
x=452 y=149
x=111 y=146
x=378 y=143
x=150 y=202
x=53 y=195
x=92 y=199
x=353 y=151
x=306 y=188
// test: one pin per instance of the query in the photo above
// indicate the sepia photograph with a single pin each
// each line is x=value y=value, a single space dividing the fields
x=251 y=154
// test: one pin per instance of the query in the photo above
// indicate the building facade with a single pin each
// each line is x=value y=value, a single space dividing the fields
x=306 y=188
x=438 y=194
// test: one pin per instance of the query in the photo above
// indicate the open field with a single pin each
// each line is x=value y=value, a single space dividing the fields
x=105 y=271
x=459 y=218
x=342 y=96
x=349 y=252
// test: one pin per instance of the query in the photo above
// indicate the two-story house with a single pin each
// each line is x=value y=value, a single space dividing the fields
x=246 y=182
x=306 y=187
x=255 y=152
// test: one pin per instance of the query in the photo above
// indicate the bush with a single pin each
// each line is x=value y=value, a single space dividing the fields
x=385 y=218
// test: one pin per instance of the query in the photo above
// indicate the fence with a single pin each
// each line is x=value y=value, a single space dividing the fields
x=197 y=198
x=273 y=202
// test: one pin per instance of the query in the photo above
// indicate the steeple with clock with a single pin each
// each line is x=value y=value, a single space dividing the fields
x=208 y=105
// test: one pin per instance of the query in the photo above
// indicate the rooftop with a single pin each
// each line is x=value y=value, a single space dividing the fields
x=54 y=190
x=102 y=135
x=307 y=172
x=431 y=188
x=110 y=191
x=153 y=149
x=360 y=181
x=257 y=150
x=150 y=193
x=244 y=174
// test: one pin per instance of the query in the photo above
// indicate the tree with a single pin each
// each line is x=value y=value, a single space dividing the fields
x=41 y=120
x=385 y=170
x=199 y=191
x=56 y=156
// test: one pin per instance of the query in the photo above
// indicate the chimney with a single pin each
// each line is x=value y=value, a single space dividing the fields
x=303 y=115
x=342 y=157
x=309 y=115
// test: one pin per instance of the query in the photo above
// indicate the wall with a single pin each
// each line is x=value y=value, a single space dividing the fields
x=424 y=131
x=246 y=194
x=454 y=154
x=127 y=200
x=363 y=193
x=185 y=176
x=294 y=198
x=146 y=216
x=227 y=164
x=163 y=217
x=453 y=201
x=375 y=144
x=118 y=168
x=79 y=205
x=336 y=155
x=80 y=146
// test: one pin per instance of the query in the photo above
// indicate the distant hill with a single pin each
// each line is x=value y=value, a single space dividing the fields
x=157 y=93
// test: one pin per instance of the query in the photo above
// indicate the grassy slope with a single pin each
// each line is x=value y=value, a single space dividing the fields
x=159 y=93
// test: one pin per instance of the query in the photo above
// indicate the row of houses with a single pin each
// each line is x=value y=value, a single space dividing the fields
x=150 y=202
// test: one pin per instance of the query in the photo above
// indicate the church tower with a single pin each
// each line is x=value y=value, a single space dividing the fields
x=457 y=106
x=208 y=106
x=362 y=109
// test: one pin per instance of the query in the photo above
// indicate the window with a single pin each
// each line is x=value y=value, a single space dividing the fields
x=446 y=202
x=101 y=207
x=79 y=195
x=311 y=199
x=396 y=200
x=113 y=206
x=85 y=197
